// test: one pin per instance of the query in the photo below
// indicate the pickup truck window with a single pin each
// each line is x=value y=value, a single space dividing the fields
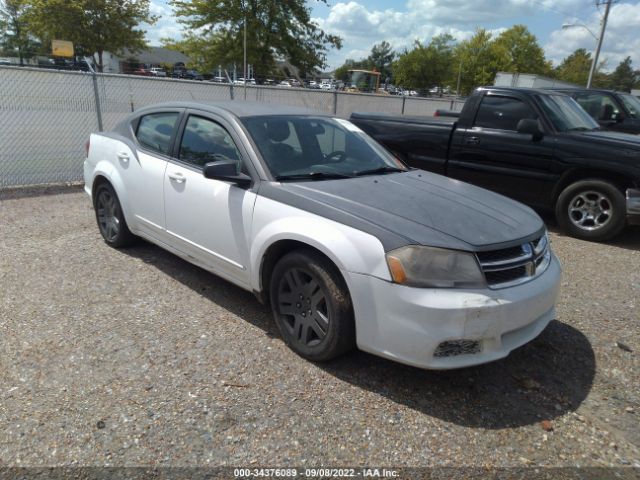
x=600 y=106
x=155 y=130
x=206 y=141
x=632 y=104
x=565 y=113
x=502 y=113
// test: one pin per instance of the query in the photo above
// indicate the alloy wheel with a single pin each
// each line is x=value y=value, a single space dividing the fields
x=590 y=210
x=303 y=307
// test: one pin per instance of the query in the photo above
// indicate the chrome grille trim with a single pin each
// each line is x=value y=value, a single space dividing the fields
x=516 y=267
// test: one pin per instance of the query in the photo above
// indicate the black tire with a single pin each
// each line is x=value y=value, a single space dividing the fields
x=605 y=208
x=311 y=306
x=111 y=222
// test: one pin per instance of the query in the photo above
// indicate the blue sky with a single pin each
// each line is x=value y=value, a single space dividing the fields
x=362 y=23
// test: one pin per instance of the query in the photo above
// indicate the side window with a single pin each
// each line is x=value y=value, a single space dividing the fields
x=155 y=130
x=600 y=106
x=502 y=113
x=206 y=141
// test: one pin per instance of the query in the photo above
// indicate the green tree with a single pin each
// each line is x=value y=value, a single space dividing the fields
x=623 y=78
x=381 y=58
x=575 y=68
x=15 y=37
x=425 y=66
x=518 y=48
x=479 y=60
x=275 y=29
x=94 y=26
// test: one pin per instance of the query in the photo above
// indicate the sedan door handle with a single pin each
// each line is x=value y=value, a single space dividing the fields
x=123 y=156
x=472 y=141
x=177 y=177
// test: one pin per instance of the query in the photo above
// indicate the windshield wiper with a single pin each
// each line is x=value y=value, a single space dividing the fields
x=385 y=169
x=312 y=176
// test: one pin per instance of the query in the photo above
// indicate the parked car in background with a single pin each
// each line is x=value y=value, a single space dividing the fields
x=5 y=61
x=618 y=111
x=141 y=71
x=219 y=80
x=536 y=146
x=157 y=72
x=347 y=246
x=284 y=83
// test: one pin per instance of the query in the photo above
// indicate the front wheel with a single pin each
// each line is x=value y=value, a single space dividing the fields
x=591 y=210
x=312 y=306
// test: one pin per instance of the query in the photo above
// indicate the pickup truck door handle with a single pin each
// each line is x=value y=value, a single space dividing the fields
x=472 y=141
x=177 y=177
x=123 y=156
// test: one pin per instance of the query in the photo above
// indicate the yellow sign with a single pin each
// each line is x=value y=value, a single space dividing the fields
x=61 y=48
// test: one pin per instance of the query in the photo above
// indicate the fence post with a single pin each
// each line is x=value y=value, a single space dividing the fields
x=97 y=96
x=231 y=90
x=404 y=100
x=335 y=102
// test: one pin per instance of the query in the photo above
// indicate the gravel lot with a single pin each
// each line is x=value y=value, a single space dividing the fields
x=136 y=357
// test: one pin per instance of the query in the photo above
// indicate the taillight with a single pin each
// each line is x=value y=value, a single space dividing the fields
x=437 y=114
x=87 y=145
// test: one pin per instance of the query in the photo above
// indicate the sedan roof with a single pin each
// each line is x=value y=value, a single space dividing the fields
x=239 y=108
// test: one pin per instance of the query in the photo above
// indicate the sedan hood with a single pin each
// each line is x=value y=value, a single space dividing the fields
x=415 y=207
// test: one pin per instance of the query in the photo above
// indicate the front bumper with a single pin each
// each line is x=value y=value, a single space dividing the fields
x=633 y=206
x=411 y=325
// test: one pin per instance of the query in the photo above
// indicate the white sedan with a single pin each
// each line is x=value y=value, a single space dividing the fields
x=346 y=245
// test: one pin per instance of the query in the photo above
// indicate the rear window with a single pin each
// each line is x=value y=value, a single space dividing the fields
x=155 y=130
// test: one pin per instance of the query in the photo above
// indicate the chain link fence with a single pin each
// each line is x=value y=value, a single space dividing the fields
x=46 y=116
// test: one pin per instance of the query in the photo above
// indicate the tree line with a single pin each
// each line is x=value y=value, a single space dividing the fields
x=277 y=31
x=444 y=62
x=213 y=31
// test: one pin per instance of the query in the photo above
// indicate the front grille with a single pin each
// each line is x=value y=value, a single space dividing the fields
x=514 y=265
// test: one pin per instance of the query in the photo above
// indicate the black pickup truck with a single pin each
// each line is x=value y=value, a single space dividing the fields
x=536 y=146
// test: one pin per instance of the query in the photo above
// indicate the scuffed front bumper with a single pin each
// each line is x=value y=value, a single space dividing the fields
x=416 y=326
x=633 y=206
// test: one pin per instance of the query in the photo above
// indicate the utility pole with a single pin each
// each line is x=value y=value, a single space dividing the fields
x=459 y=78
x=245 y=54
x=603 y=27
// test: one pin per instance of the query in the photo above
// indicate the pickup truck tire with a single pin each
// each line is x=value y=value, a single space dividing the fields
x=312 y=306
x=111 y=222
x=591 y=210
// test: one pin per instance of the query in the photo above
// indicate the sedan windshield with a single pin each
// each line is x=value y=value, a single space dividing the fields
x=565 y=114
x=298 y=147
x=632 y=103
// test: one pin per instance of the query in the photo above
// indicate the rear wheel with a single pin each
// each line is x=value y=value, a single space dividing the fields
x=312 y=306
x=113 y=227
x=591 y=210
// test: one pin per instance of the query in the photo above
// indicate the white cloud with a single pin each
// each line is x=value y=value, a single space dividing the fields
x=620 y=41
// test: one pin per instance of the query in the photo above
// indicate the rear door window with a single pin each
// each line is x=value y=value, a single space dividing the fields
x=502 y=113
x=155 y=131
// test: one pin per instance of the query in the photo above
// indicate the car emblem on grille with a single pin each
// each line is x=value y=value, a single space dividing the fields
x=527 y=249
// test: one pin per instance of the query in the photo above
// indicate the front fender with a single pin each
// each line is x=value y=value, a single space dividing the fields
x=349 y=249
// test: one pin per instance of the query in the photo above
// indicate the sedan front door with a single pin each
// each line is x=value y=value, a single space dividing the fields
x=208 y=220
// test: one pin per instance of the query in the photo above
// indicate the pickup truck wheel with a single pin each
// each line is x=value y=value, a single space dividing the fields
x=110 y=218
x=312 y=306
x=591 y=210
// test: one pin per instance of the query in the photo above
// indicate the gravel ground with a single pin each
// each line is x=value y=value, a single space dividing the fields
x=136 y=357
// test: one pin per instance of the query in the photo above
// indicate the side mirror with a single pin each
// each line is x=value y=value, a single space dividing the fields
x=226 y=170
x=531 y=127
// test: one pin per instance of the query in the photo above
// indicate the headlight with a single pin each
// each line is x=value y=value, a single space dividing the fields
x=417 y=266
